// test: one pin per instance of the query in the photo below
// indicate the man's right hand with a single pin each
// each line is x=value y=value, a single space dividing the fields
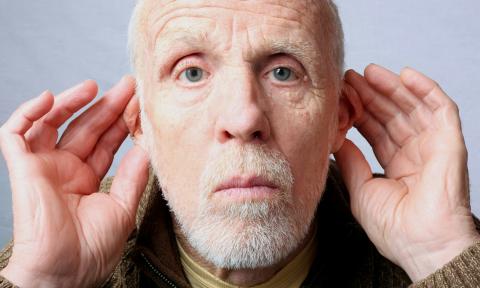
x=66 y=234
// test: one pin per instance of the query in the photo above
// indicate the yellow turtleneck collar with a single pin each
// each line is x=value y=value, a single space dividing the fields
x=290 y=276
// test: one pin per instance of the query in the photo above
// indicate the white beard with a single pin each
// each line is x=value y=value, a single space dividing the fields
x=249 y=234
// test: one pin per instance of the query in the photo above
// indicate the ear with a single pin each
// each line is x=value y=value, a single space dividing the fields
x=131 y=116
x=350 y=110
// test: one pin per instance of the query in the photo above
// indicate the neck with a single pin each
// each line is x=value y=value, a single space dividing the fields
x=240 y=277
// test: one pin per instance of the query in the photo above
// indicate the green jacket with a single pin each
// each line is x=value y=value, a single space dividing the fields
x=345 y=256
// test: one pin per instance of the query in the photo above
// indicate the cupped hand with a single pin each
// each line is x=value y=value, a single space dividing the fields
x=66 y=234
x=419 y=215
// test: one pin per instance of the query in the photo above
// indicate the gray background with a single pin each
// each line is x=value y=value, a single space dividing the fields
x=56 y=44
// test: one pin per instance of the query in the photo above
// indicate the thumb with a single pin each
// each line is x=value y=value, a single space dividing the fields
x=130 y=180
x=353 y=167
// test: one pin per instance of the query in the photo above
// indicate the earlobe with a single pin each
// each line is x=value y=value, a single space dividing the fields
x=350 y=110
x=131 y=116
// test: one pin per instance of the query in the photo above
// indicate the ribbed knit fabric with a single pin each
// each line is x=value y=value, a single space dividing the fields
x=4 y=256
x=346 y=257
x=4 y=283
x=463 y=271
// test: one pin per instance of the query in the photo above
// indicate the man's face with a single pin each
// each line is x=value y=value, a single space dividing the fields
x=237 y=93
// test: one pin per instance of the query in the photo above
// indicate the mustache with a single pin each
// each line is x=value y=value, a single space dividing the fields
x=246 y=160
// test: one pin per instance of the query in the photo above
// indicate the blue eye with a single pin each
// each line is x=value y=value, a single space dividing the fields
x=283 y=74
x=193 y=74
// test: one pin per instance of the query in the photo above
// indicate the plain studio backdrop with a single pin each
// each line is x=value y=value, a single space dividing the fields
x=55 y=44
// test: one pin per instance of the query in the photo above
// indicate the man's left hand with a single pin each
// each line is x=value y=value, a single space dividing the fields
x=419 y=215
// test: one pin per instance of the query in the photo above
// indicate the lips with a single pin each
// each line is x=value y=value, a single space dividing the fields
x=240 y=189
x=239 y=182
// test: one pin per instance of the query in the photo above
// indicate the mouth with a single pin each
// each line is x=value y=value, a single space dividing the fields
x=240 y=188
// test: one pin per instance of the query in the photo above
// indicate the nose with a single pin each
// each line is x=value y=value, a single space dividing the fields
x=241 y=117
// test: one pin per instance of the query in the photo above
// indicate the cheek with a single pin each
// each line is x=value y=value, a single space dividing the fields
x=305 y=140
x=180 y=143
x=303 y=128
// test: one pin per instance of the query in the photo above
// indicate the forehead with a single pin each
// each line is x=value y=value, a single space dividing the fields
x=293 y=10
x=209 y=20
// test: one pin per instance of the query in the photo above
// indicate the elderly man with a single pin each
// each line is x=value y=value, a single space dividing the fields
x=238 y=106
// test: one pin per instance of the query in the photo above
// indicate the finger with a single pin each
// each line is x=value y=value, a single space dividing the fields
x=424 y=88
x=130 y=180
x=12 y=139
x=381 y=108
x=375 y=133
x=354 y=168
x=69 y=102
x=445 y=110
x=82 y=134
x=43 y=134
x=102 y=156
x=24 y=117
x=389 y=84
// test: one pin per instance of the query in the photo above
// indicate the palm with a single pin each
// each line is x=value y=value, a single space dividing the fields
x=56 y=208
x=415 y=133
x=62 y=213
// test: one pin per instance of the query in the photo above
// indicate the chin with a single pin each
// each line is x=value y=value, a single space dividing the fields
x=247 y=236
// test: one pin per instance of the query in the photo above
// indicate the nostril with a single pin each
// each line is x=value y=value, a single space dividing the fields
x=257 y=135
x=227 y=135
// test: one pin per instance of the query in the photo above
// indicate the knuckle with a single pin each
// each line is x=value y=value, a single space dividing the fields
x=452 y=107
x=22 y=107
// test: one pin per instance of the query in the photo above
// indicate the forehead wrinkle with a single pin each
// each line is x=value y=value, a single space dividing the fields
x=156 y=31
x=299 y=11
x=183 y=36
x=180 y=44
x=285 y=12
x=162 y=14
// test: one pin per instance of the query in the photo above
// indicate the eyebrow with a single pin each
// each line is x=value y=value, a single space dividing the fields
x=302 y=50
x=166 y=42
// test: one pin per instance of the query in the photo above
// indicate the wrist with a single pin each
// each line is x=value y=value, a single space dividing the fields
x=425 y=261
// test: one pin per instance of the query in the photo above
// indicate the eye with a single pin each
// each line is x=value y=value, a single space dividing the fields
x=192 y=74
x=283 y=74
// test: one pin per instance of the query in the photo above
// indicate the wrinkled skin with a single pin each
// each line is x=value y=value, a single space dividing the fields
x=67 y=235
x=237 y=102
x=419 y=216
